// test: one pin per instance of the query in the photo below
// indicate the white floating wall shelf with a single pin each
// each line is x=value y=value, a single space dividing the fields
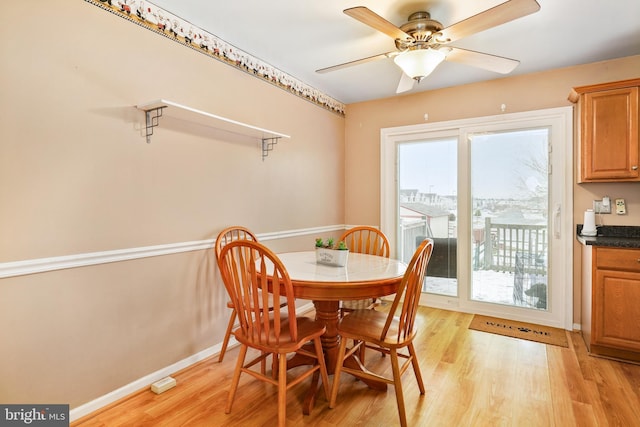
x=156 y=109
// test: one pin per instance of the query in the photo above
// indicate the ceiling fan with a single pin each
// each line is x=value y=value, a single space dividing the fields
x=421 y=43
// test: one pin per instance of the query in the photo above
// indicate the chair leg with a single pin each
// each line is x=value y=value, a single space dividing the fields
x=323 y=367
x=274 y=366
x=236 y=378
x=363 y=347
x=395 y=366
x=263 y=364
x=416 y=368
x=336 y=374
x=282 y=390
x=227 y=334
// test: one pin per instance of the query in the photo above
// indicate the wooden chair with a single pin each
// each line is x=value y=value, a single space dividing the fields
x=364 y=240
x=249 y=269
x=226 y=236
x=387 y=332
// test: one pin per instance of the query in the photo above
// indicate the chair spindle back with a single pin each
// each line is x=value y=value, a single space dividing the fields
x=231 y=234
x=250 y=272
x=405 y=304
x=366 y=240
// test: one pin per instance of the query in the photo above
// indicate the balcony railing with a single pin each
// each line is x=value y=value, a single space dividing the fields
x=520 y=250
x=507 y=247
x=513 y=248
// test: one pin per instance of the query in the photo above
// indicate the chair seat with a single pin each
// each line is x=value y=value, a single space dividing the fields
x=367 y=325
x=308 y=329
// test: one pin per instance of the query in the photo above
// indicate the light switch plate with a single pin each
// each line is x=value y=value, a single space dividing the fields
x=621 y=208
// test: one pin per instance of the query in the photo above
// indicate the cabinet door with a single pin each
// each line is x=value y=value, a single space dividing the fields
x=616 y=316
x=610 y=140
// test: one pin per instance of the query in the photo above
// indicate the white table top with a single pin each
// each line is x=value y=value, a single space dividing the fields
x=302 y=267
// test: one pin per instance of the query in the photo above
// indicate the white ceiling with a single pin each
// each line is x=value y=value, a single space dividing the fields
x=301 y=36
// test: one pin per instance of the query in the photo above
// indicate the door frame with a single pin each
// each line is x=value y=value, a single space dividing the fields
x=560 y=120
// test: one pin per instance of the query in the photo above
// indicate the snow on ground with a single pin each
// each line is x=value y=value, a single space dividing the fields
x=488 y=285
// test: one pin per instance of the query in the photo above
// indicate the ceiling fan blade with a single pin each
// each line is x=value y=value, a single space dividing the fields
x=406 y=84
x=375 y=21
x=485 y=61
x=498 y=15
x=357 y=62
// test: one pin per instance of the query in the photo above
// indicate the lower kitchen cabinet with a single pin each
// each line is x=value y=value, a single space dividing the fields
x=611 y=301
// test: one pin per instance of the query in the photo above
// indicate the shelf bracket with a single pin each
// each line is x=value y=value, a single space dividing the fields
x=155 y=109
x=267 y=145
x=152 y=120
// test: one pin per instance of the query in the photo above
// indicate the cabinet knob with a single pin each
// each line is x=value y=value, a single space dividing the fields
x=634 y=167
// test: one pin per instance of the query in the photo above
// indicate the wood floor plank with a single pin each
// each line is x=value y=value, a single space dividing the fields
x=472 y=378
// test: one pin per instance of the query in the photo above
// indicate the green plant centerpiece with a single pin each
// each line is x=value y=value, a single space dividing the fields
x=329 y=253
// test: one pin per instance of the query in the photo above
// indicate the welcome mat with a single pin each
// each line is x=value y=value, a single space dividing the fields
x=525 y=331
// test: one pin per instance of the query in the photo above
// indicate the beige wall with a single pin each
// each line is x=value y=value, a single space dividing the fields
x=519 y=93
x=77 y=176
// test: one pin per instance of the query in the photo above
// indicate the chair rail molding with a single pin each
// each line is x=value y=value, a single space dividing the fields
x=42 y=265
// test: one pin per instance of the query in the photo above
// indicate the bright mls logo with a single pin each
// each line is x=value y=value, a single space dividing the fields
x=34 y=415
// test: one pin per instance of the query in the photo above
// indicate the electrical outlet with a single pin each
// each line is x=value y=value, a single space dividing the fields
x=621 y=209
x=601 y=208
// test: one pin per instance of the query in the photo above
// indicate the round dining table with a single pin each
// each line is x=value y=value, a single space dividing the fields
x=364 y=276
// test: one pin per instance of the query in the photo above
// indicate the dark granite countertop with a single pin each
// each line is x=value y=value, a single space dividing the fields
x=619 y=236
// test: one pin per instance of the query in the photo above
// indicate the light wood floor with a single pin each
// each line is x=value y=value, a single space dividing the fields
x=472 y=378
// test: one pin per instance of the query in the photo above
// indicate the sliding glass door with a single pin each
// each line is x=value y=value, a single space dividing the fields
x=496 y=199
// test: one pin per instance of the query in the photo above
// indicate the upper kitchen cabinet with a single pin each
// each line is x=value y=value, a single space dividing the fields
x=609 y=140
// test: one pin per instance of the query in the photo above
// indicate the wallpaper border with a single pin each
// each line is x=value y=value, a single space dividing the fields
x=149 y=16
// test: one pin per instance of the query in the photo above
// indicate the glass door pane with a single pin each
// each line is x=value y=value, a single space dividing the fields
x=509 y=199
x=428 y=179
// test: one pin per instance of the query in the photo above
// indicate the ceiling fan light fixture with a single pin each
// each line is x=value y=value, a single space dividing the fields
x=419 y=63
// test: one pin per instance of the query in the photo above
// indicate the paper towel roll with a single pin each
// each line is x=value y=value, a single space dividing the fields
x=589 y=227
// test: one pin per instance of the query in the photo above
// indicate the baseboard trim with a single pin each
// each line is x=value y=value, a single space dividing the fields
x=42 y=265
x=146 y=381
